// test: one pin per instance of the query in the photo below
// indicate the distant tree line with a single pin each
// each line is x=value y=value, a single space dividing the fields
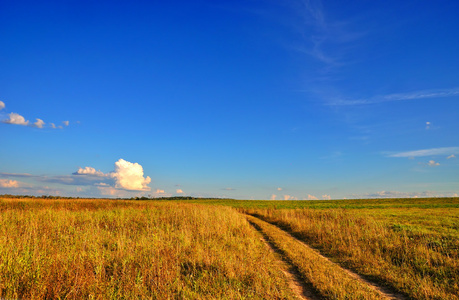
x=132 y=198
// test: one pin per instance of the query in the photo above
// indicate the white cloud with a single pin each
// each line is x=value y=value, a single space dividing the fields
x=311 y=197
x=89 y=171
x=66 y=123
x=288 y=197
x=427 y=152
x=451 y=156
x=279 y=189
x=159 y=191
x=16 y=119
x=427 y=125
x=425 y=94
x=273 y=197
x=178 y=191
x=2 y=105
x=397 y=194
x=39 y=123
x=326 y=197
x=53 y=126
x=108 y=191
x=129 y=176
x=432 y=163
x=8 y=183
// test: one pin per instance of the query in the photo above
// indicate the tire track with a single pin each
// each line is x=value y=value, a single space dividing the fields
x=262 y=226
x=297 y=285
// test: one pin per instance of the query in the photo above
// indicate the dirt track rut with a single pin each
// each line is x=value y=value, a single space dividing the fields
x=302 y=288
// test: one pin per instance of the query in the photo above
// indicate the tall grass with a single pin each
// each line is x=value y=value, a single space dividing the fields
x=110 y=250
x=420 y=262
x=325 y=277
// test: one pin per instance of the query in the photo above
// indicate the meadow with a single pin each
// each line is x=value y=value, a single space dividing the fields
x=217 y=249
x=411 y=246
x=102 y=249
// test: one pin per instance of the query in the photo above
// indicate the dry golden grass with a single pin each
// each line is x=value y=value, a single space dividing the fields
x=98 y=249
x=413 y=251
x=327 y=278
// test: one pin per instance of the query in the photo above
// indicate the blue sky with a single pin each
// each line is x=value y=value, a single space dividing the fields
x=240 y=99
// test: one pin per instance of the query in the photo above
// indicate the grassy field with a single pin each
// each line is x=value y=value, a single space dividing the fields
x=412 y=248
x=100 y=249
x=207 y=249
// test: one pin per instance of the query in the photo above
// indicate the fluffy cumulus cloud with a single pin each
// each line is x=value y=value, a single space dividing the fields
x=273 y=197
x=432 y=163
x=279 y=189
x=39 y=123
x=451 y=156
x=16 y=119
x=288 y=197
x=89 y=171
x=179 y=191
x=129 y=176
x=311 y=197
x=8 y=183
x=326 y=197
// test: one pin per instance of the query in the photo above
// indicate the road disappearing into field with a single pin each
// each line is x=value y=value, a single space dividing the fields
x=312 y=275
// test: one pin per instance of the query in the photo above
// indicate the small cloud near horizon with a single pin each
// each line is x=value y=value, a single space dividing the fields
x=9 y=183
x=432 y=163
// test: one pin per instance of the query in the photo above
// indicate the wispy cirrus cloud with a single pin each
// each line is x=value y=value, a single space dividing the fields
x=416 y=95
x=426 y=152
x=4 y=174
x=323 y=38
